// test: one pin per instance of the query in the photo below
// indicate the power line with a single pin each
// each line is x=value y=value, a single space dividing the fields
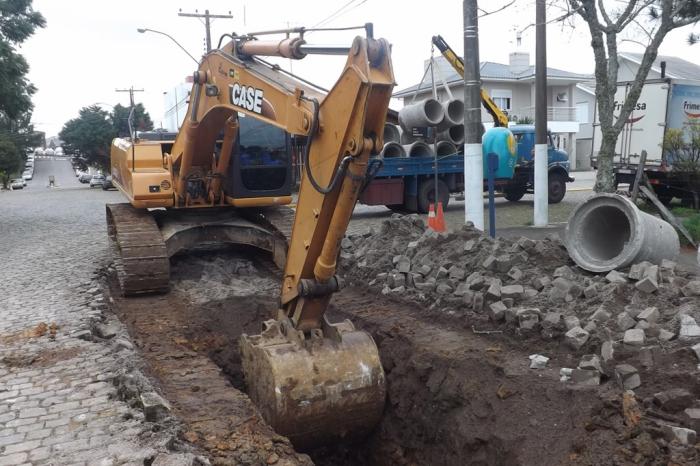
x=336 y=13
x=207 y=22
x=131 y=91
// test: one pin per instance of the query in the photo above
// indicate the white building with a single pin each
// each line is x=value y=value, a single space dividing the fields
x=512 y=87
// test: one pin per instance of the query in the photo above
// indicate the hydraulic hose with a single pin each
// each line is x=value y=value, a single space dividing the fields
x=339 y=174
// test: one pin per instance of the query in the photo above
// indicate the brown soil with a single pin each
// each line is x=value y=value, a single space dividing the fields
x=454 y=397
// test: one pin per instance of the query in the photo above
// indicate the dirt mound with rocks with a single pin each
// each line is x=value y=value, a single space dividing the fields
x=629 y=333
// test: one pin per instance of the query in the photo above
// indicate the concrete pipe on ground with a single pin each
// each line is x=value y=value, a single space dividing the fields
x=454 y=114
x=391 y=133
x=392 y=149
x=445 y=148
x=418 y=149
x=454 y=134
x=608 y=232
x=428 y=112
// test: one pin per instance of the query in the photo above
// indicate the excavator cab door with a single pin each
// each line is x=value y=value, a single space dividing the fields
x=261 y=163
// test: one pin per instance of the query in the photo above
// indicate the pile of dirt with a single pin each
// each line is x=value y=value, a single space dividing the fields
x=604 y=332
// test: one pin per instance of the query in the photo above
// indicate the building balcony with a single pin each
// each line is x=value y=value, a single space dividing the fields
x=553 y=113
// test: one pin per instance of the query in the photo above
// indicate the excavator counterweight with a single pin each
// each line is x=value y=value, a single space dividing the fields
x=225 y=177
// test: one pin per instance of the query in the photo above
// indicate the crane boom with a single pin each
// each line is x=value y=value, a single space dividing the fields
x=499 y=118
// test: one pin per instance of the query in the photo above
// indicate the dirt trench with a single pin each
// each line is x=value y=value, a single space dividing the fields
x=454 y=397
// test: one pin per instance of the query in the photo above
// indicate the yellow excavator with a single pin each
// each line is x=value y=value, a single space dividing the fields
x=500 y=119
x=313 y=381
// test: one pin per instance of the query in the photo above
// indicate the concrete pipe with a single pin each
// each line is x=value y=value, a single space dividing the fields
x=429 y=112
x=391 y=133
x=454 y=134
x=445 y=148
x=418 y=149
x=454 y=114
x=406 y=138
x=392 y=149
x=609 y=232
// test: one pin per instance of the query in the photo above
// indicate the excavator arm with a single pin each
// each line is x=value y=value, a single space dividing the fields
x=499 y=118
x=303 y=372
x=312 y=380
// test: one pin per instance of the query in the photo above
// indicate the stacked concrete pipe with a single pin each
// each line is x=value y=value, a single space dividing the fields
x=406 y=138
x=608 y=232
x=428 y=112
x=392 y=149
x=445 y=148
x=418 y=149
x=454 y=114
x=453 y=134
x=391 y=133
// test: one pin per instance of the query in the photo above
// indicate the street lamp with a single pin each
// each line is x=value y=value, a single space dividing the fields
x=144 y=30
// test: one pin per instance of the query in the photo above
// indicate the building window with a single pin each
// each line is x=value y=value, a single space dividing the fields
x=502 y=102
x=502 y=98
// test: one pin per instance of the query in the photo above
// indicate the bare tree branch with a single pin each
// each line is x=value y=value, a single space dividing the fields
x=604 y=13
x=486 y=13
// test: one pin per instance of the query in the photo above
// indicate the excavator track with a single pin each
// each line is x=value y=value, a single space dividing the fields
x=139 y=253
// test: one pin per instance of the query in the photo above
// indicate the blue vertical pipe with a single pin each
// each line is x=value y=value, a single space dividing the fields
x=492 y=168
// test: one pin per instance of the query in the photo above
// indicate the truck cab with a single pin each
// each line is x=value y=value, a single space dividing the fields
x=523 y=180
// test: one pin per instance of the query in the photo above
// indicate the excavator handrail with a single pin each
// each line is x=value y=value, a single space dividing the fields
x=499 y=118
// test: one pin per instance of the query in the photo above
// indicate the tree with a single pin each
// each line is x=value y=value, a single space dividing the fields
x=120 y=119
x=655 y=19
x=683 y=149
x=18 y=21
x=89 y=136
x=11 y=160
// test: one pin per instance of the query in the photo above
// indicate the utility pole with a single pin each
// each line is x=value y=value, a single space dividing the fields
x=131 y=91
x=207 y=22
x=541 y=214
x=473 y=158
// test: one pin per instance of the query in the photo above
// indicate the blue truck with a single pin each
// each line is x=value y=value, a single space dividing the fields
x=407 y=184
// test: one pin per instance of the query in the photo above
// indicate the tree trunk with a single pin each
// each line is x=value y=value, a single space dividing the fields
x=605 y=178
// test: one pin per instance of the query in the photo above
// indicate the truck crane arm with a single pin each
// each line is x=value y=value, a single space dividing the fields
x=499 y=118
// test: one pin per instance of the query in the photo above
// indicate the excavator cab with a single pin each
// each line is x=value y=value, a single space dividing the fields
x=261 y=162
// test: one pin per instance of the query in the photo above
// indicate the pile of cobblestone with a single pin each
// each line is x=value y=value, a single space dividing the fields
x=532 y=290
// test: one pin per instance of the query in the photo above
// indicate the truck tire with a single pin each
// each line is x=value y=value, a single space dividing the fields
x=514 y=193
x=557 y=188
x=426 y=195
x=664 y=194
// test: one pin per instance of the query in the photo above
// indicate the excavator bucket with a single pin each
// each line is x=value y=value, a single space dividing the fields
x=318 y=388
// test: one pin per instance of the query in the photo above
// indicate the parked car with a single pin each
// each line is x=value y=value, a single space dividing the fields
x=85 y=178
x=17 y=183
x=28 y=175
x=97 y=180
x=107 y=183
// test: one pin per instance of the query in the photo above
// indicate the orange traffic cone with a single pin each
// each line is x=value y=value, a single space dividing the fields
x=440 y=219
x=431 y=216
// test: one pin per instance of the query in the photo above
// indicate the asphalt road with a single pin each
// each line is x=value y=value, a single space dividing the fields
x=508 y=214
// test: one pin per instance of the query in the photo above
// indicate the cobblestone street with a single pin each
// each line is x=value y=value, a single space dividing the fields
x=57 y=399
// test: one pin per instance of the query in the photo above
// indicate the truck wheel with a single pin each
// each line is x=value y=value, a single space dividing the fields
x=514 y=193
x=557 y=188
x=664 y=194
x=426 y=195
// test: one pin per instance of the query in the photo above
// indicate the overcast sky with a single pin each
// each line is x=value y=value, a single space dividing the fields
x=90 y=48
